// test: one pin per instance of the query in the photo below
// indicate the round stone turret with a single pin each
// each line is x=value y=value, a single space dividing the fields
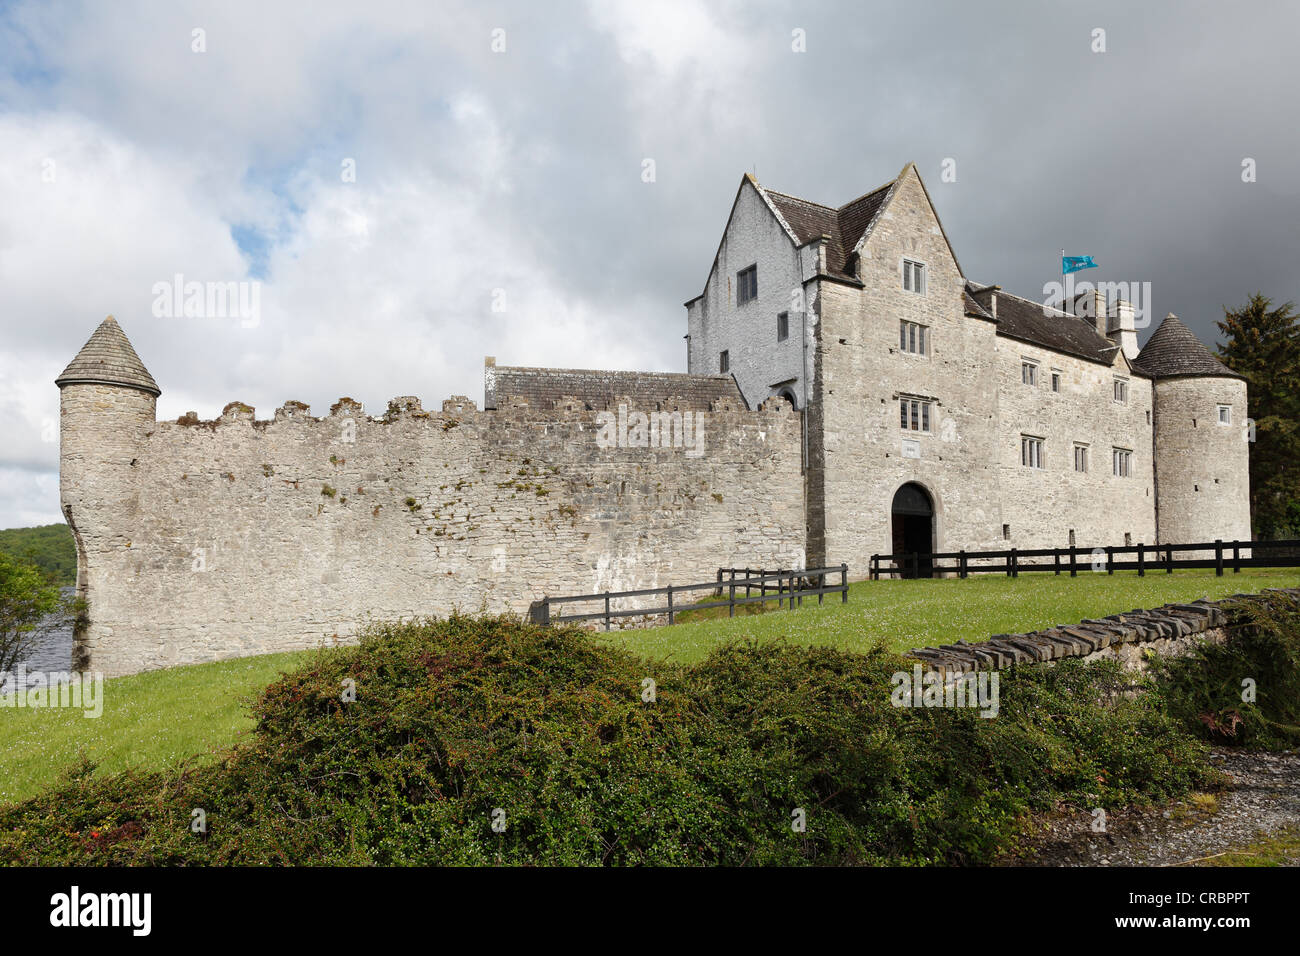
x=107 y=406
x=1202 y=435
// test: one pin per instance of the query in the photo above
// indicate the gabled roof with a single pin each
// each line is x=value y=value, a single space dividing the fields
x=1044 y=326
x=845 y=225
x=1174 y=351
x=107 y=358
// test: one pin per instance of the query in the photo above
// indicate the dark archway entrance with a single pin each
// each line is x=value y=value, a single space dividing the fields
x=913 y=522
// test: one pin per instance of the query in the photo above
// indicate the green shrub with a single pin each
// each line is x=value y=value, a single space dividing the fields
x=454 y=719
x=1204 y=690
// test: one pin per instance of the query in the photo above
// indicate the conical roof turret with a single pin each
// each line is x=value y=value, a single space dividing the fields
x=107 y=358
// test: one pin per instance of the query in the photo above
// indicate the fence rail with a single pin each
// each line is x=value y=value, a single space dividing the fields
x=786 y=587
x=1217 y=554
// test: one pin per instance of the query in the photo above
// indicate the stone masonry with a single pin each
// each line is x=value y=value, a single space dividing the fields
x=826 y=435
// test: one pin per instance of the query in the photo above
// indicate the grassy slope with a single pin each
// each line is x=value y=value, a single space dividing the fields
x=908 y=614
x=159 y=718
x=154 y=719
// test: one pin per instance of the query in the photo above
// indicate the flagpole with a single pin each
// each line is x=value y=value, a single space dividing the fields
x=1063 y=308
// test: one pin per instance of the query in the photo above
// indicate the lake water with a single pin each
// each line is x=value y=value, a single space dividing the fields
x=52 y=654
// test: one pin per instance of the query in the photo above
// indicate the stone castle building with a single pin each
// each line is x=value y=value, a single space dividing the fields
x=850 y=391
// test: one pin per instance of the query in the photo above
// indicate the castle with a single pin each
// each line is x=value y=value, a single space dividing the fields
x=849 y=392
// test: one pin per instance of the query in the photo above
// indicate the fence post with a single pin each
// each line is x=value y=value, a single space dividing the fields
x=718 y=592
x=821 y=589
x=1236 y=557
x=844 y=584
x=670 y=604
x=1006 y=557
x=731 y=598
x=606 y=610
x=748 y=574
x=1218 y=557
x=1142 y=568
x=961 y=564
x=1074 y=566
x=1056 y=561
x=789 y=601
x=1169 y=559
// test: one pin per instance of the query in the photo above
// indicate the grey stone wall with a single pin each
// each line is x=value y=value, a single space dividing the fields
x=210 y=539
x=1128 y=638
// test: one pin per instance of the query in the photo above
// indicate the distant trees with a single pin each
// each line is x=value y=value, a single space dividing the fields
x=1263 y=345
x=50 y=547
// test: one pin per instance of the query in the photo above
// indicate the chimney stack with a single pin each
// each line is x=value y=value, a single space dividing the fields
x=1123 y=331
x=1092 y=305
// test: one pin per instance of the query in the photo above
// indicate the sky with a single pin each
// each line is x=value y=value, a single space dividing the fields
x=406 y=188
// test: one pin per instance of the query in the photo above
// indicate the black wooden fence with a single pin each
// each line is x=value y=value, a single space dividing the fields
x=788 y=588
x=1142 y=558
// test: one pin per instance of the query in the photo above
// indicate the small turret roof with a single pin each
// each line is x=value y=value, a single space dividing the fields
x=107 y=358
x=1174 y=351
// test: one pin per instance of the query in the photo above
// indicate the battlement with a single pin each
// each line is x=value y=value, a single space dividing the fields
x=201 y=539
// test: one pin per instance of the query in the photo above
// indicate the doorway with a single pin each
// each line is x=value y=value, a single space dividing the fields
x=913 y=525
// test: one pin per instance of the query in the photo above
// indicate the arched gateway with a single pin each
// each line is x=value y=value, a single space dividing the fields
x=913 y=528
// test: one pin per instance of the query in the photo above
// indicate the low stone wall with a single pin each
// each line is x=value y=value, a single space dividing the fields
x=1169 y=630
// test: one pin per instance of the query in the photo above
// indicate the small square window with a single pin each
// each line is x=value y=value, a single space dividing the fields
x=724 y=361
x=913 y=276
x=1029 y=373
x=1122 y=463
x=1031 y=451
x=783 y=326
x=914 y=338
x=747 y=285
x=1056 y=380
x=914 y=414
x=1225 y=414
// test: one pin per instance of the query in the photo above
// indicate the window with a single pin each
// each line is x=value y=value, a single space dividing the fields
x=1031 y=451
x=1056 y=379
x=783 y=326
x=913 y=276
x=746 y=285
x=913 y=337
x=1006 y=532
x=1225 y=414
x=1080 y=457
x=914 y=414
x=1029 y=372
x=1121 y=391
x=724 y=361
x=1122 y=463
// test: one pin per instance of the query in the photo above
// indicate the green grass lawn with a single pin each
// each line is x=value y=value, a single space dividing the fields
x=155 y=719
x=160 y=718
x=921 y=613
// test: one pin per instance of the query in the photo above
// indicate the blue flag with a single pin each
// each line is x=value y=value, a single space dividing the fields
x=1075 y=263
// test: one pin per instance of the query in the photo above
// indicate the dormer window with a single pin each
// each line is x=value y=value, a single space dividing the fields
x=747 y=285
x=913 y=276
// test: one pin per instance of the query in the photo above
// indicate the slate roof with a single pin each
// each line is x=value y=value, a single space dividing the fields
x=598 y=390
x=1174 y=351
x=1050 y=328
x=845 y=225
x=107 y=358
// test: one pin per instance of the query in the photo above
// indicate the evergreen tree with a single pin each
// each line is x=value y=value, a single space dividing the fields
x=1262 y=344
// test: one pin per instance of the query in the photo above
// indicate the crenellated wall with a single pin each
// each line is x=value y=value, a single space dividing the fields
x=202 y=540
